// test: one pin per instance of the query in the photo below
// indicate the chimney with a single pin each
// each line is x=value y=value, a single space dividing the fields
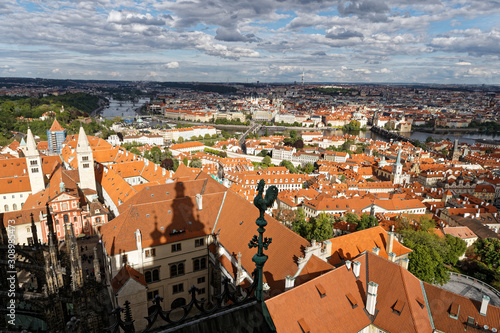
x=376 y=250
x=392 y=256
x=356 y=268
x=390 y=241
x=138 y=240
x=348 y=264
x=484 y=305
x=371 y=299
x=289 y=282
x=327 y=247
x=405 y=262
x=199 y=201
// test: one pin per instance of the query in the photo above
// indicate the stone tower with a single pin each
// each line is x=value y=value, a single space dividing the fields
x=34 y=164
x=397 y=169
x=456 y=151
x=85 y=162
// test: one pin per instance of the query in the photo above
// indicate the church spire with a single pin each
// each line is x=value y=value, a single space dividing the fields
x=85 y=162
x=83 y=142
x=31 y=149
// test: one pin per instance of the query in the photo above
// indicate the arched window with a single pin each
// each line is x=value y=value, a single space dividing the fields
x=14 y=207
x=147 y=276
x=178 y=302
x=156 y=275
x=6 y=208
x=180 y=269
x=66 y=218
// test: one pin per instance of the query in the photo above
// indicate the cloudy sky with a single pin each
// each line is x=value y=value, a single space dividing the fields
x=427 y=41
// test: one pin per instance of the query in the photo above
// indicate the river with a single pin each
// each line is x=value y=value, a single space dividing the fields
x=124 y=109
x=469 y=138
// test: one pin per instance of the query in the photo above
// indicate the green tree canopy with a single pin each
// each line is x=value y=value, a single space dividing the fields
x=289 y=165
x=428 y=257
x=266 y=160
x=366 y=221
x=489 y=251
x=319 y=228
x=196 y=163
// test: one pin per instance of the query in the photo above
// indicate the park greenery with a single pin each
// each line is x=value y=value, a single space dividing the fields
x=335 y=91
x=319 y=228
x=222 y=154
x=353 y=126
x=16 y=113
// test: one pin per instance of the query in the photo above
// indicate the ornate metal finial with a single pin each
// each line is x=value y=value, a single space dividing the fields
x=261 y=242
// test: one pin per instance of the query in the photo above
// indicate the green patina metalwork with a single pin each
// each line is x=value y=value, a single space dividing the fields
x=261 y=242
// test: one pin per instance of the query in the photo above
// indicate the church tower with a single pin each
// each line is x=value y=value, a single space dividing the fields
x=397 y=169
x=456 y=151
x=34 y=164
x=85 y=162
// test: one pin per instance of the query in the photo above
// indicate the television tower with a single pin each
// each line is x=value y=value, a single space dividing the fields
x=302 y=76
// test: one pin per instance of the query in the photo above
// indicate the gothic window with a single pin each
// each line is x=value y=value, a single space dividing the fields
x=176 y=269
x=199 y=264
x=152 y=294
x=152 y=275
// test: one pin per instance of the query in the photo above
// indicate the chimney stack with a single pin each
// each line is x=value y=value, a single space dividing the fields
x=289 y=282
x=371 y=299
x=390 y=241
x=199 y=201
x=356 y=268
x=376 y=250
x=484 y=305
x=392 y=256
x=348 y=264
x=405 y=262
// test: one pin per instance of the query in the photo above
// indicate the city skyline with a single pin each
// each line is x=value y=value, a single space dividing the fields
x=454 y=42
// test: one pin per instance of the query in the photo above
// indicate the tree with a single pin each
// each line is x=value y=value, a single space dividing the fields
x=351 y=218
x=427 y=265
x=429 y=139
x=196 y=163
x=299 y=144
x=167 y=163
x=427 y=259
x=266 y=160
x=444 y=151
x=366 y=221
x=263 y=153
x=135 y=151
x=489 y=251
x=156 y=154
x=185 y=161
x=309 y=168
x=456 y=248
x=425 y=223
x=319 y=228
x=289 y=165
x=180 y=140
x=117 y=119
